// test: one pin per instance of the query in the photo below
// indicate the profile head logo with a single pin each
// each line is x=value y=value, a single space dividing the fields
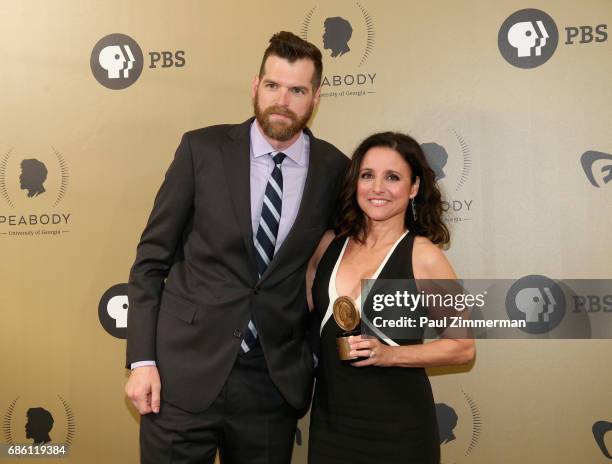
x=113 y=310
x=33 y=176
x=589 y=160
x=338 y=32
x=451 y=159
x=447 y=421
x=40 y=423
x=437 y=157
x=26 y=179
x=459 y=425
x=346 y=29
x=528 y=38
x=537 y=300
x=116 y=61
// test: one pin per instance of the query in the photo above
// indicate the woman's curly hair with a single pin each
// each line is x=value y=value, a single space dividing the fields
x=428 y=201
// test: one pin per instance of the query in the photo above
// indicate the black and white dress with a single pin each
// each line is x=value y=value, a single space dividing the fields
x=368 y=414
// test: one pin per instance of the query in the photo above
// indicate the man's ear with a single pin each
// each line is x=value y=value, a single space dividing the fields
x=317 y=95
x=254 y=86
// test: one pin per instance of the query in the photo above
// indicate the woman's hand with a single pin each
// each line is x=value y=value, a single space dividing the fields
x=378 y=353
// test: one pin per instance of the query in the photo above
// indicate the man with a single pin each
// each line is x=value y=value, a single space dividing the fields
x=218 y=314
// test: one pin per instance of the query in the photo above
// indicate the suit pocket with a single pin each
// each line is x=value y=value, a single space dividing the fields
x=178 y=307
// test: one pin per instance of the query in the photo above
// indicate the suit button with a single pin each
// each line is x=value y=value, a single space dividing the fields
x=237 y=333
x=256 y=289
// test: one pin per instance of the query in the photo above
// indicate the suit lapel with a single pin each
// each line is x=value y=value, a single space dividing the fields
x=237 y=165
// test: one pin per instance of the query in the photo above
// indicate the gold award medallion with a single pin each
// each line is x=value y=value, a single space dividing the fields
x=345 y=313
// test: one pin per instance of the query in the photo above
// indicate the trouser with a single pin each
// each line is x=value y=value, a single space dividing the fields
x=249 y=422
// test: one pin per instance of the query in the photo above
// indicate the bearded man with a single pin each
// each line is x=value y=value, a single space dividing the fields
x=217 y=326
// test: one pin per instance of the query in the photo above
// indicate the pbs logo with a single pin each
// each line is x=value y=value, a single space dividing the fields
x=528 y=38
x=113 y=310
x=116 y=61
x=537 y=300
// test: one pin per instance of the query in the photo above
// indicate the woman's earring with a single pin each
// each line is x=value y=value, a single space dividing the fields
x=414 y=212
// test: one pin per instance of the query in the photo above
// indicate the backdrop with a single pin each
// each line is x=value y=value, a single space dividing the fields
x=511 y=100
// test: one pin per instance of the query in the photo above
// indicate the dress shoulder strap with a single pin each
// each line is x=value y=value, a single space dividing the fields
x=399 y=265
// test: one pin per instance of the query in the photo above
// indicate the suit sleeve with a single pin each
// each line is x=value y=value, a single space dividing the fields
x=155 y=253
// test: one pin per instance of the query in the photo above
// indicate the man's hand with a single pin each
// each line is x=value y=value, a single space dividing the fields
x=143 y=389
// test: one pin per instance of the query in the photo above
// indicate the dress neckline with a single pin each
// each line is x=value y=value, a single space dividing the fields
x=376 y=272
x=332 y=289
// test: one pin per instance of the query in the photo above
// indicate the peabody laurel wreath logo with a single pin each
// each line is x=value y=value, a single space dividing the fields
x=528 y=38
x=48 y=424
x=452 y=172
x=116 y=61
x=458 y=434
x=113 y=310
x=33 y=185
x=345 y=33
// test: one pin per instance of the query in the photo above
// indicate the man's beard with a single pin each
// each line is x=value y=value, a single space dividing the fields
x=279 y=130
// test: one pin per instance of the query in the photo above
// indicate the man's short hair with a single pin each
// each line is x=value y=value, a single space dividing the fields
x=290 y=47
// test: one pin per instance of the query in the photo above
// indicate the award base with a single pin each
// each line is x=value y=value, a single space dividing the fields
x=344 y=348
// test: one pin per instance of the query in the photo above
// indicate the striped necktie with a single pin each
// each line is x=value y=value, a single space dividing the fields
x=265 y=239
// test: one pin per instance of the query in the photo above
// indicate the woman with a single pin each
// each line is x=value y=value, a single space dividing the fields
x=380 y=408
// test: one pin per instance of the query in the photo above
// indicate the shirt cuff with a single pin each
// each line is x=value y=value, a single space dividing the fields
x=136 y=364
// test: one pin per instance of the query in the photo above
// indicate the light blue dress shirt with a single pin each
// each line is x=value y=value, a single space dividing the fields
x=294 y=169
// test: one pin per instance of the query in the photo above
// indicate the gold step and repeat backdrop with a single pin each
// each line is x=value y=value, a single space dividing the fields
x=513 y=101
